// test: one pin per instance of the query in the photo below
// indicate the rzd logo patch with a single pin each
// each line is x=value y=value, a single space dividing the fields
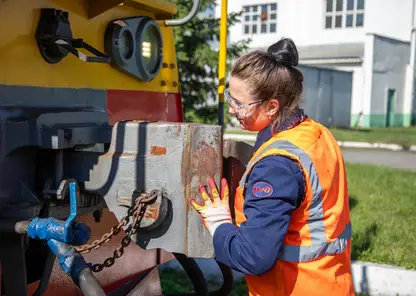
x=262 y=189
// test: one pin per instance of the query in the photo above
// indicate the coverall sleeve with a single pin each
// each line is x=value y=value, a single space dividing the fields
x=253 y=248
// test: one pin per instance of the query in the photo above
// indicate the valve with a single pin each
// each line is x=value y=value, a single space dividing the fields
x=60 y=234
x=69 y=231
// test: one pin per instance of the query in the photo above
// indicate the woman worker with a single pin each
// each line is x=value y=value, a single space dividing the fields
x=293 y=232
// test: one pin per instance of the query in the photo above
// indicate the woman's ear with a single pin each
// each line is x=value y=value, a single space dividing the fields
x=272 y=107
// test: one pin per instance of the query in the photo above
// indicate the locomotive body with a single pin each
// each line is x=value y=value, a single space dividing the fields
x=89 y=91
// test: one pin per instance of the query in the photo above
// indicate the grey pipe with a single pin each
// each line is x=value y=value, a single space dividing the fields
x=179 y=22
x=14 y=227
x=88 y=284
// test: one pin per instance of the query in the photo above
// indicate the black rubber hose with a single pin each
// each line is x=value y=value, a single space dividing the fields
x=194 y=273
x=46 y=275
x=198 y=279
x=228 y=279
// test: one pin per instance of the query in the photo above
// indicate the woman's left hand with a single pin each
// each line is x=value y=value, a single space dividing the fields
x=215 y=210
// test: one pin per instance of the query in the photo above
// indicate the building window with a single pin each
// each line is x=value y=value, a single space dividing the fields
x=344 y=14
x=260 y=19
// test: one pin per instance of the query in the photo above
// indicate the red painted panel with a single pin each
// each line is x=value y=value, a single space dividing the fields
x=143 y=105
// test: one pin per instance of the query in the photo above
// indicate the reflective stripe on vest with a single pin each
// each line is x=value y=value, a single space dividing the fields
x=320 y=246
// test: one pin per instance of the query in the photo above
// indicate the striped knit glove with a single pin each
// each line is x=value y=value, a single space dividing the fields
x=215 y=210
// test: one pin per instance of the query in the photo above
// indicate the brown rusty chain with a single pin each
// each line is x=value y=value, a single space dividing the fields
x=137 y=213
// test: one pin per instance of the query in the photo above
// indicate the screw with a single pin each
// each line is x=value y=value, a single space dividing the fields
x=163 y=83
x=165 y=65
x=175 y=84
x=172 y=66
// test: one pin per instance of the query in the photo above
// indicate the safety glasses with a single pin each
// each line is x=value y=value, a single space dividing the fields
x=237 y=105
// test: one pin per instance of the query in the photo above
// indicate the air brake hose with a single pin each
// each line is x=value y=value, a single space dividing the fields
x=195 y=275
x=198 y=280
x=73 y=264
x=227 y=284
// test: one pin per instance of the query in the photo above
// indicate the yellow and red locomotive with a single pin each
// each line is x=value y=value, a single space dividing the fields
x=90 y=97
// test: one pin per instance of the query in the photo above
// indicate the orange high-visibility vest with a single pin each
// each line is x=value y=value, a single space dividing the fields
x=316 y=254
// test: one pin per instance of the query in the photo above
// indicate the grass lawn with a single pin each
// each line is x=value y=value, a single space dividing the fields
x=174 y=281
x=397 y=135
x=383 y=213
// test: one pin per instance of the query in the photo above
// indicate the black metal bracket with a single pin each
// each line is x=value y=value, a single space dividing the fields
x=55 y=41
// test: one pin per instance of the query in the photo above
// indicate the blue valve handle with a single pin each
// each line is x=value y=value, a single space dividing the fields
x=59 y=235
x=69 y=231
x=73 y=192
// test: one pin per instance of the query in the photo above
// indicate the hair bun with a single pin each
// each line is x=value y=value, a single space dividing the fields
x=285 y=52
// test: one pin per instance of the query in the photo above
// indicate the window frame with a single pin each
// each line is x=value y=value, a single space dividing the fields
x=343 y=13
x=251 y=23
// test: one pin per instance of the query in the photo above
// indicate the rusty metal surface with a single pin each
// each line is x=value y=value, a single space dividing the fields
x=236 y=156
x=154 y=214
x=172 y=157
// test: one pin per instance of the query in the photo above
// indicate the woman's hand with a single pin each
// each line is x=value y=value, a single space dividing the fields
x=215 y=210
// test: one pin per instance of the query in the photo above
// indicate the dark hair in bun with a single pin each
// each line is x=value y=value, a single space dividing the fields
x=285 y=52
x=272 y=74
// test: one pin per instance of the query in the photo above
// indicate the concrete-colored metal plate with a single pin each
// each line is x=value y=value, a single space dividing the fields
x=173 y=157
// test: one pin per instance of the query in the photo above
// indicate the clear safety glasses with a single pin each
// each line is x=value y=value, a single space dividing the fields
x=240 y=107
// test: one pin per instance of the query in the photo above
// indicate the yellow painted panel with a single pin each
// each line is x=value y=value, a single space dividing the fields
x=22 y=64
x=164 y=6
x=92 y=8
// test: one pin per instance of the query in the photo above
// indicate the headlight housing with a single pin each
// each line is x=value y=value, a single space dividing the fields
x=135 y=46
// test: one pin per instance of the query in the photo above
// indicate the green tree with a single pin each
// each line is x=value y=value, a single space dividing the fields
x=198 y=60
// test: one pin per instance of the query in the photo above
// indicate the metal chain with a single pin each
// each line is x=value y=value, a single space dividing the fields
x=136 y=212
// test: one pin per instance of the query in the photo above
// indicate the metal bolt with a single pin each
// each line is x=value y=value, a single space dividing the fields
x=97 y=215
x=175 y=84
x=172 y=66
x=163 y=83
x=165 y=65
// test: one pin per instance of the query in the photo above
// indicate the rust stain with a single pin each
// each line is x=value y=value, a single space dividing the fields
x=205 y=161
x=158 y=150
x=152 y=213
x=186 y=182
x=178 y=130
x=124 y=201
x=200 y=161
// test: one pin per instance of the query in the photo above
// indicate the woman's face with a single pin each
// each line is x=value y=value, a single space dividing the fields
x=253 y=114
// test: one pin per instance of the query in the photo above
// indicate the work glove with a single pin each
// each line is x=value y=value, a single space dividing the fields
x=215 y=210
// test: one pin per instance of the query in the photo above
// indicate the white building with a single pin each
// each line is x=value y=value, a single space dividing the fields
x=370 y=39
